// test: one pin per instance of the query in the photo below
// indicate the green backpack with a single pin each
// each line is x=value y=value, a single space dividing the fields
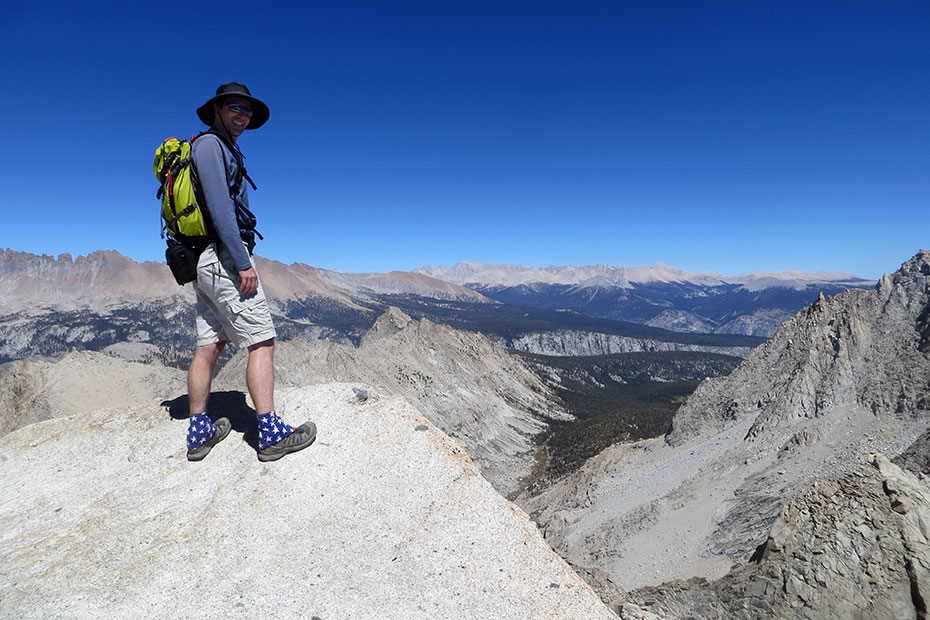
x=182 y=218
x=185 y=223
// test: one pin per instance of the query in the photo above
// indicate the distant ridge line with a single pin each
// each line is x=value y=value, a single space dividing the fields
x=467 y=272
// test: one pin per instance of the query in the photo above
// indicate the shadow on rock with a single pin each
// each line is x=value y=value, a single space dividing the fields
x=229 y=404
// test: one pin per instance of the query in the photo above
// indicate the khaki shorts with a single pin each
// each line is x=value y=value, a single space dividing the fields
x=222 y=313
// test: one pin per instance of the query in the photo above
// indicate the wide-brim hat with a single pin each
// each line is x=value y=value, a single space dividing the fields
x=260 y=112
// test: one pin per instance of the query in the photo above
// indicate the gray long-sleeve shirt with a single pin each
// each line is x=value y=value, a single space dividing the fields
x=214 y=166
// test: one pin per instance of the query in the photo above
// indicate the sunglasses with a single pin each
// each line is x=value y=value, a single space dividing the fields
x=240 y=108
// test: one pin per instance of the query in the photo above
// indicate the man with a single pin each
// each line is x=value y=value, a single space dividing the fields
x=231 y=305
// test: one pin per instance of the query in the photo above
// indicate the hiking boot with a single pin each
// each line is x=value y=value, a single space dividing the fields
x=222 y=429
x=302 y=437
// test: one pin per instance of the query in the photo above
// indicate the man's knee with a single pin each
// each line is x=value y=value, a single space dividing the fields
x=211 y=351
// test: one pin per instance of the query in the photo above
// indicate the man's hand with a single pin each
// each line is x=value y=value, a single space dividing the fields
x=249 y=282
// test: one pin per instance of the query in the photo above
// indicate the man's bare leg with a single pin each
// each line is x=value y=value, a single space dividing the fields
x=275 y=438
x=200 y=375
x=259 y=376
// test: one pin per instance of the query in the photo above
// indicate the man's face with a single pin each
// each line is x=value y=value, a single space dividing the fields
x=235 y=121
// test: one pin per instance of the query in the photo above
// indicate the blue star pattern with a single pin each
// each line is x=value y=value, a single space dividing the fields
x=200 y=430
x=271 y=430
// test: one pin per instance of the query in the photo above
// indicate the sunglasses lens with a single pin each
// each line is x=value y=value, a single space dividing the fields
x=238 y=108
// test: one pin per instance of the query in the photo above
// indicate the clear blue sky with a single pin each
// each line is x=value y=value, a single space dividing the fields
x=721 y=136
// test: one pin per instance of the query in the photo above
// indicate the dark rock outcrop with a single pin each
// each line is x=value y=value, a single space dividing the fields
x=856 y=547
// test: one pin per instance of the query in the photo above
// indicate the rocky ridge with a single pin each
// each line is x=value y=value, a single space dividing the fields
x=472 y=389
x=35 y=390
x=865 y=349
x=854 y=547
x=573 y=342
x=844 y=379
x=384 y=516
x=400 y=282
x=104 y=277
x=681 y=321
x=33 y=283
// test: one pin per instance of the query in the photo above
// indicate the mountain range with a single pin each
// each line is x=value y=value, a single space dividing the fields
x=752 y=304
x=466 y=273
x=50 y=305
x=794 y=486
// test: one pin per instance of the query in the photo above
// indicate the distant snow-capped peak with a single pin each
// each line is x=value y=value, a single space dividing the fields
x=607 y=275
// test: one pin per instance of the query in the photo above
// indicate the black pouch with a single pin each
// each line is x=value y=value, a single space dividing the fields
x=248 y=236
x=182 y=261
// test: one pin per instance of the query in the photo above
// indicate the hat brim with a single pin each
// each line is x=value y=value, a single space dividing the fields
x=260 y=111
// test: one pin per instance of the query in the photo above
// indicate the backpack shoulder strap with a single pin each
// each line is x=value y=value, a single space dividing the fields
x=241 y=172
x=245 y=216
